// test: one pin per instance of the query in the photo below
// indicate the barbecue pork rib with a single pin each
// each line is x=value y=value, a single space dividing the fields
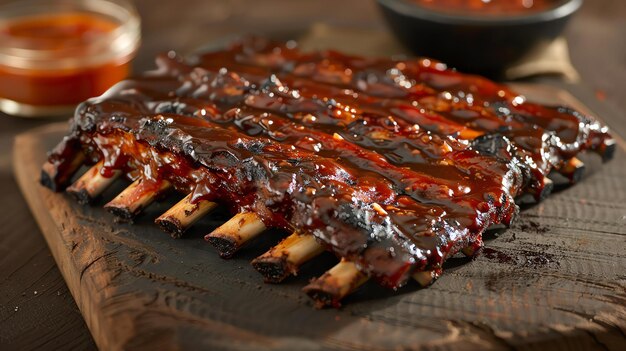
x=392 y=165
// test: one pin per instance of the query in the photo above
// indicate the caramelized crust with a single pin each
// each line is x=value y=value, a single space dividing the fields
x=393 y=165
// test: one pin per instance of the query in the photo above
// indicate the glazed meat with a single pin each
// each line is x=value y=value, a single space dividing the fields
x=392 y=165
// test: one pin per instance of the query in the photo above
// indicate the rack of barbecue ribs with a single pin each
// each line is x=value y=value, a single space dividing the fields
x=391 y=165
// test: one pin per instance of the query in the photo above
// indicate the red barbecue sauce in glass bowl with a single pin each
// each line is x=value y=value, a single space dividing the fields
x=57 y=54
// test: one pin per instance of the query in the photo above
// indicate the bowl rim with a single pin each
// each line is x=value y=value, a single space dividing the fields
x=405 y=7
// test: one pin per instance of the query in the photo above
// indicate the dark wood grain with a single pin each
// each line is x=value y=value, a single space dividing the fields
x=37 y=310
x=51 y=319
x=553 y=280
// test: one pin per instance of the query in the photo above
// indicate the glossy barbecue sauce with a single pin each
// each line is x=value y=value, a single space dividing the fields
x=396 y=165
x=489 y=7
x=63 y=37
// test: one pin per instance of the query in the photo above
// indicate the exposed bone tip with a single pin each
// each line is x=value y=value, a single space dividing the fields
x=573 y=170
x=91 y=184
x=137 y=196
x=425 y=278
x=322 y=299
x=235 y=233
x=80 y=195
x=546 y=190
x=225 y=246
x=121 y=212
x=285 y=258
x=335 y=284
x=171 y=226
x=324 y=293
x=607 y=149
x=57 y=176
x=183 y=215
x=46 y=179
x=273 y=269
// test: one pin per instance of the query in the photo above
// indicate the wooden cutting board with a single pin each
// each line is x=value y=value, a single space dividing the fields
x=554 y=280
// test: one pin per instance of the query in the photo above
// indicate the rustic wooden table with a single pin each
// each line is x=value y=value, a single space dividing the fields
x=36 y=308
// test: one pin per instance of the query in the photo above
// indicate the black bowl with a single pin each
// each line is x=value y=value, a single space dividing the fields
x=474 y=43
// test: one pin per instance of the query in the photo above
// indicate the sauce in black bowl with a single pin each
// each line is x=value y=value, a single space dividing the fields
x=485 y=39
x=489 y=7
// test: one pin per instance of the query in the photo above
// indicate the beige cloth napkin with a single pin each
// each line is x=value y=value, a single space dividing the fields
x=549 y=59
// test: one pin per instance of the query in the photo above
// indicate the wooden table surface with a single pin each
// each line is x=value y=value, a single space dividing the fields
x=36 y=308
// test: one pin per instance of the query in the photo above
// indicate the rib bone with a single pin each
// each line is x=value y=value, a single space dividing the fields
x=573 y=170
x=91 y=184
x=607 y=149
x=56 y=177
x=344 y=278
x=232 y=235
x=285 y=258
x=546 y=190
x=136 y=197
x=425 y=278
x=183 y=215
x=335 y=284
